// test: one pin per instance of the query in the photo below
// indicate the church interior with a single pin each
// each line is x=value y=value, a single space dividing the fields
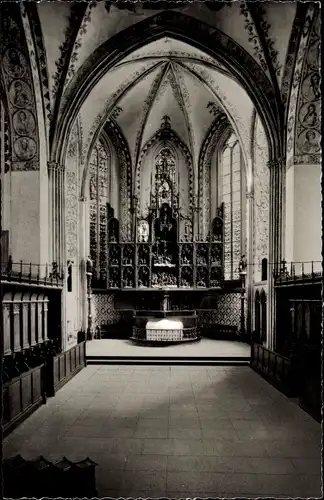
x=161 y=251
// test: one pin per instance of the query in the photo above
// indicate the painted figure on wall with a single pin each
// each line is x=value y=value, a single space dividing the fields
x=13 y=63
x=315 y=82
x=20 y=95
x=310 y=119
x=311 y=144
x=24 y=122
x=25 y=148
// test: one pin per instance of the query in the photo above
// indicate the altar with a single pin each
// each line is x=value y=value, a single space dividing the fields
x=162 y=268
x=165 y=325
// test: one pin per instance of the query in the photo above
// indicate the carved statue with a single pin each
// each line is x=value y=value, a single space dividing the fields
x=89 y=265
x=243 y=264
x=165 y=225
x=92 y=188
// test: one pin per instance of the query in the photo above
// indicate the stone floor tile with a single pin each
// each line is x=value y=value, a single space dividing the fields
x=183 y=433
x=306 y=466
x=130 y=446
x=142 y=480
x=146 y=463
x=189 y=463
x=233 y=448
x=293 y=449
x=255 y=441
x=152 y=422
x=188 y=481
x=147 y=432
x=158 y=446
x=188 y=447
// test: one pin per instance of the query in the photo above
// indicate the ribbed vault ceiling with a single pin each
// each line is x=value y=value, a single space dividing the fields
x=167 y=77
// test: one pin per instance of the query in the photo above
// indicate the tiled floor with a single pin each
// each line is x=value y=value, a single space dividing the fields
x=178 y=431
x=204 y=348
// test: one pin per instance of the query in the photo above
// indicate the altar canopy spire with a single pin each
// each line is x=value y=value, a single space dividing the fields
x=166 y=122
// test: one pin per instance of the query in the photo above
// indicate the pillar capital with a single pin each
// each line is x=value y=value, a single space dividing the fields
x=53 y=166
x=250 y=195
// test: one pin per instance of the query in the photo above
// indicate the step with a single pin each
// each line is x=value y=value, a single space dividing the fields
x=105 y=360
x=170 y=358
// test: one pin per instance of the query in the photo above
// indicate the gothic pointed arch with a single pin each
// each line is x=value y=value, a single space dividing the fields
x=215 y=133
x=36 y=31
x=179 y=26
x=120 y=146
x=165 y=135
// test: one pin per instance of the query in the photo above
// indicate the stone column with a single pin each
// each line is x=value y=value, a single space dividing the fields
x=56 y=210
x=250 y=259
x=83 y=259
x=275 y=241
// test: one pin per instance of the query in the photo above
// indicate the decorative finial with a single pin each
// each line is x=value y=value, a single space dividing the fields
x=166 y=122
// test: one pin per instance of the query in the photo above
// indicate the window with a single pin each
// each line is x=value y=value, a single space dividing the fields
x=165 y=176
x=99 y=172
x=230 y=186
x=264 y=269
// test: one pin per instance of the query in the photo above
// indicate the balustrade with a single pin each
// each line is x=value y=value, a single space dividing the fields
x=298 y=271
x=32 y=274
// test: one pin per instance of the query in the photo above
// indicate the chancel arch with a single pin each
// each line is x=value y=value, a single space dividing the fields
x=160 y=182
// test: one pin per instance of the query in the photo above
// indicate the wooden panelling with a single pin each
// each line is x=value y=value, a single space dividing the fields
x=21 y=396
x=63 y=367
x=274 y=367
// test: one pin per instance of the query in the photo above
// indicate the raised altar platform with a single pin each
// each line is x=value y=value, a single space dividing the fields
x=164 y=325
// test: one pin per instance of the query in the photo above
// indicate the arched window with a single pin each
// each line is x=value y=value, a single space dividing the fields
x=230 y=184
x=165 y=176
x=264 y=269
x=99 y=187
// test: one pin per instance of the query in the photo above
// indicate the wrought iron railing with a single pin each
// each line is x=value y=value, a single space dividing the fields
x=298 y=271
x=32 y=274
